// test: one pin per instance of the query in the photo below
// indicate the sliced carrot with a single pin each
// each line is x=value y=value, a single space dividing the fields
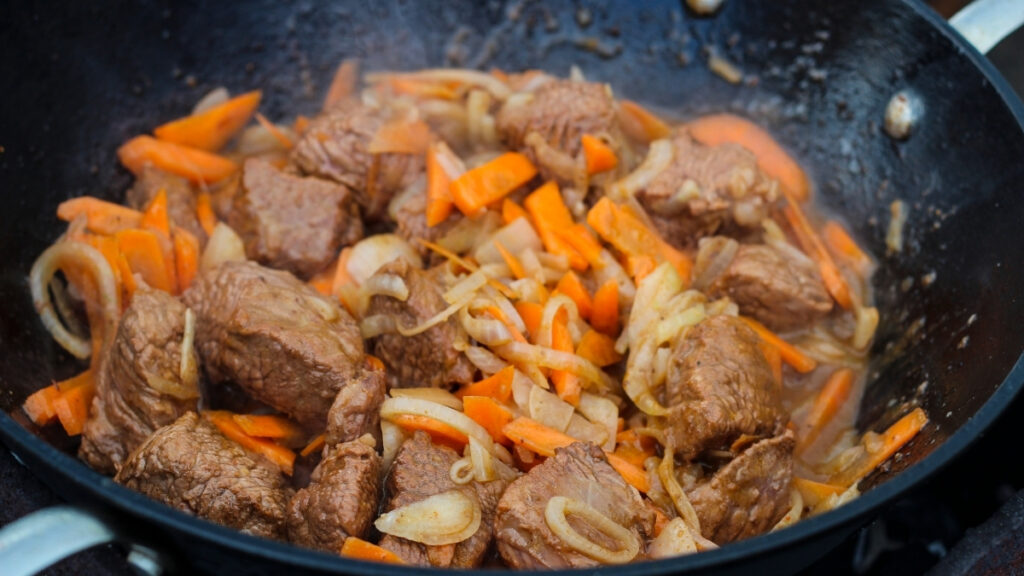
x=279 y=455
x=790 y=355
x=128 y=283
x=633 y=455
x=496 y=313
x=511 y=261
x=344 y=82
x=660 y=520
x=145 y=256
x=815 y=492
x=497 y=386
x=401 y=137
x=505 y=290
x=439 y=431
x=771 y=158
x=630 y=438
x=86 y=378
x=155 y=217
x=842 y=245
x=423 y=89
x=300 y=125
x=510 y=211
x=536 y=437
x=605 y=317
x=483 y=185
x=267 y=426
x=629 y=235
x=579 y=238
x=276 y=132
x=812 y=245
x=186 y=258
x=101 y=217
x=72 y=405
x=341 y=275
x=571 y=285
x=831 y=398
x=550 y=214
x=112 y=254
x=634 y=475
x=599 y=156
x=567 y=384
x=894 y=438
x=40 y=405
x=599 y=348
x=192 y=163
x=363 y=550
x=211 y=130
x=314 y=445
x=638 y=123
x=774 y=358
x=532 y=313
x=639 y=266
x=439 y=196
x=204 y=213
x=490 y=414
x=322 y=280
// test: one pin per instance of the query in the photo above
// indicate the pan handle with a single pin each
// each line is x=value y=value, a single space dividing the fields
x=984 y=23
x=43 y=538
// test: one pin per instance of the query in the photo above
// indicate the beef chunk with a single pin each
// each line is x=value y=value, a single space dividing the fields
x=421 y=470
x=277 y=338
x=705 y=191
x=356 y=408
x=340 y=501
x=781 y=291
x=181 y=199
x=335 y=146
x=560 y=112
x=191 y=466
x=580 y=472
x=290 y=222
x=719 y=386
x=749 y=495
x=428 y=358
x=139 y=387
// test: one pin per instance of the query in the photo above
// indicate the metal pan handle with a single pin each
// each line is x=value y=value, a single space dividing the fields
x=43 y=538
x=984 y=23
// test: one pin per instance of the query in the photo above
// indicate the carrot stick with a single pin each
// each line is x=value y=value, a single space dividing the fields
x=439 y=431
x=102 y=217
x=155 y=217
x=631 y=236
x=142 y=250
x=790 y=355
x=571 y=285
x=72 y=405
x=275 y=131
x=496 y=313
x=488 y=413
x=204 y=213
x=505 y=290
x=532 y=314
x=477 y=188
x=605 y=316
x=550 y=214
x=833 y=395
x=192 y=163
x=511 y=261
x=267 y=426
x=314 y=445
x=598 y=155
x=497 y=386
x=579 y=238
x=211 y=130
x=363 y=550
x=771 y=158
x=567 y=385
x=598 y=348
x=279 y=455
x=634 y=475
x=639 y=124
x=894 y=438
x=186 y=258
x=344 y=82
x=774 y=358
x=830 y=275
x=842 y=245
x=401 y=137
x=439 y=196
x=815 y=492
x=510 y=211
x=40 y=405
x=633 y=455
x=536 y=437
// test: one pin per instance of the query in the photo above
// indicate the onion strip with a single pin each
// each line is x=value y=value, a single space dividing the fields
x=439 y=520
x=659 y=156
x=528 y=354
x=555 y=515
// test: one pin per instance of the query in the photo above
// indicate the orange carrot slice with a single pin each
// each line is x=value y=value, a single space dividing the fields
x=155 y=217
x=511 y=261
x=344 y=82
x=204 y=213
x=894 y=438
x=567 y=384
x=831 y=398
x=101 y=217
x=510 y=211
x=571 y=285
x=211 y=130
x=634 y=475
x=276 y=132
x=363 y=550
x=439 y=197
x=639 y=124
x=40 y=405
x=279 y=455
x=483 y=185
x=550 y=214
x=497 y=386
x=186 y=258
x=605 y=316
x=599 y=156
x=841 y=244
x=267 y=426
x=439 y=431
x=599 y=348
x=145 y=256
x=812 y=245
x=532 y=314
x=314 y=445
x=194 y=164
x=490 y=414
x=790 y=355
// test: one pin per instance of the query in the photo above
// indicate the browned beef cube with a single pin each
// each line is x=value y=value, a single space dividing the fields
x=356 y=408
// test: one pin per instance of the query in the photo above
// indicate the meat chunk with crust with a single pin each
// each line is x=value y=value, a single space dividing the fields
x=290 y=222
x=782 y=291
x=719 y=386
x=428 y=358
x=705 y=191
x=139 y=387
x=421 y=470
x=356 y=408
x=280 y=340
x=750 y=494
x=189 y=465
x=335 y=146
x=340 y=501
x=580 y=472
x=181 y=199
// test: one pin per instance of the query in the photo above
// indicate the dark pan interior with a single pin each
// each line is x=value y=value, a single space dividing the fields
x=82 y=78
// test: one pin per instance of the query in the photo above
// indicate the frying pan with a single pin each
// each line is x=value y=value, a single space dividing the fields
x=82 y=78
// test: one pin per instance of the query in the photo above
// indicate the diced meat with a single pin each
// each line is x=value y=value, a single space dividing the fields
x=560 y=112
x=705 y=191
x=749 y=495
x=191 y=466
x=277 y=338
x=784 y=292
x=579 y=472
x=290 y=222
x=335 y=146
x=428 y=358
x=719 y=386
x=139 y=387
x=421 y=470
x=340 y=501
x=356 y=408
x=181 y=199
x=411 y=220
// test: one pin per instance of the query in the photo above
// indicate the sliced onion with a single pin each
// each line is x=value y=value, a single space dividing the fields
x=391 y=285
x=796 y=510
x=522 y=353
x=478 y=103
x=667 y=475
x=532 y=266
x=776 y=238
x=419 y=407
x=521 y=388
x=713 y=258
x=639 y=376
x=584 y=430
x=867 y=323
x=894 y=235
x=551 y=308
x=484 y=360
x=529 y=290
x=441 y=519
x=62 y=301
x=675 y=540
x=467 y=232
x=465 y=287
x=438 y=318
x=211 y=99
x=555 y=515
x=514 y=237
x=392 y=437
x=559 y=262
x=370 y=254
x=188 y=368
x=659 y=156
x=224 y=245
x=414 y=195
x=171 y=388
x=373 y=326
x=602 y=412
x=612 y=270
x=483 y=461
x=549 y=409
x=442 y=397
x=461 y=472
x=487 y=331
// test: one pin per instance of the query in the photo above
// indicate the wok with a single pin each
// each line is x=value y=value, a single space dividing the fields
x=82 y=78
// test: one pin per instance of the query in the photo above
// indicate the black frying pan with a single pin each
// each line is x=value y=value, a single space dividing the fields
x=81 y=78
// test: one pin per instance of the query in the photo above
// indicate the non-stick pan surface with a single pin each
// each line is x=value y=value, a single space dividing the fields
x=81 y=78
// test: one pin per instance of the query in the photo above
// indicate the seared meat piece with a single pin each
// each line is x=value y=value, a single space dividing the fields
x=290 y=222
x=356 y=408
x=749 y=495
x=277 y=338
x=191 y=466
x=335 y=146
x=560 y=112
x=421 y=470
x=340 y=501
x=706 y=190
x=719 y=386
x=181 y=199
x=781 y=291
x=428 y=358
x=411 y=219
x=579 y=472
x=139 y=386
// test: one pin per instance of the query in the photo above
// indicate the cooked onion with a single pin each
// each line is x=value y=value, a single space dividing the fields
x=555 y=516
x=584 y=430
x=675 y=540
x=551 y=308
x=529 y=290
x=671 y=327
x=224 y=245
x=419 y=407
x=467 y=232
x=211 y=99
x=523 y=353
x=438 y=318
x=550 y=410
x=484 y=360
x=390 y=285
x=612 y=270
x=667 y=475
x=188 y=368
x=465 y=287
x=713 y=257
x=487 y=331
x=441 y=519
x=370 y=254
x=438 y=395
x=659 y=156
x=898 y=218
x=602 y=412
x=796 y=510
x=170 y=387
x=867 y=323
x=392 y=437
x=514 y=237
x=373 y=326
x=62 y=301
x=461 y=472
x=479 y=122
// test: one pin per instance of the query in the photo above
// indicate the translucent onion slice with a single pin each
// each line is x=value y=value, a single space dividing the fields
x=464 y=287
x=373 y=326
x=485 y=330
x=659 y=156
x=667 y=475
x=602 y=412
x=442 y=397
x=188 y=368
x=514 y=237
x=392 y=437
x=523 y=354
x=417 y=406
x=555 y=515
x=796 y=510
x=211 y=99
x=675 y=540
x=550 y=410
x=390 y=285
x=370 y=254
x=171 y=388
x=438 y=318
x=441 y=519
x=485 y=360
x=224 y=245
